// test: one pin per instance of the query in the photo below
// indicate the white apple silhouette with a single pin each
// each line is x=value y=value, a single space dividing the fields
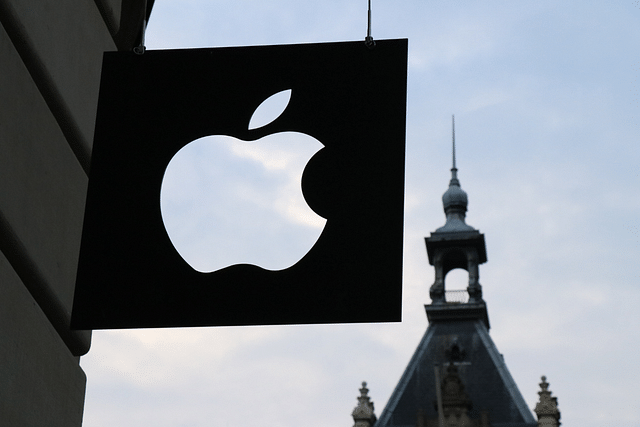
x=226 y=201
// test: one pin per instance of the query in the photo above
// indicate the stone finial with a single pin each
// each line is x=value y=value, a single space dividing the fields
x=363 y=414
x=547 y=407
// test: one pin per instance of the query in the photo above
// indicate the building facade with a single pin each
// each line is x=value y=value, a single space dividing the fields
x=50 y=62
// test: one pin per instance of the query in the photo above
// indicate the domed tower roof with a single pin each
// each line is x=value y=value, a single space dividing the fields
x=455 y=199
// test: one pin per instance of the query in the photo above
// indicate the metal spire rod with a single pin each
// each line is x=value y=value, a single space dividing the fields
x=453 y=126
x=454 y=170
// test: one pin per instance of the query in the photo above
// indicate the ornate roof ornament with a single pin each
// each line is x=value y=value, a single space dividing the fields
x=454 y=398
x=363 y=413
x=547 y=407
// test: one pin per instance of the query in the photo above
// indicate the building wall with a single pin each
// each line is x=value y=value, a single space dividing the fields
x=50 y=61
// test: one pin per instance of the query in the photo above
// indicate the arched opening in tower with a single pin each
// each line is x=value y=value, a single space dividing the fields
x=456 y=282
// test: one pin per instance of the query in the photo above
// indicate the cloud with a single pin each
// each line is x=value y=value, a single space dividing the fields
x=454 y=47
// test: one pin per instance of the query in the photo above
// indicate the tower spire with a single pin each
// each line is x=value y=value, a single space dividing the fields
x=454 y=170
x=453 y=137
x=469 y=248
x=455 y=199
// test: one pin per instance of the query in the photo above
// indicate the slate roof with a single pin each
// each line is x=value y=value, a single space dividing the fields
x=482 y=370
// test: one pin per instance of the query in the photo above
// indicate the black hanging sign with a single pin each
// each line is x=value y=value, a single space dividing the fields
x=350 y=97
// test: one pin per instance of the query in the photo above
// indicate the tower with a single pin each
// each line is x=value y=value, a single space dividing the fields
x=456 y=245
x=456 y=377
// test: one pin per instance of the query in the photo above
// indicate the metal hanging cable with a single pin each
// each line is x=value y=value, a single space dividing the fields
x=141 y=48
x=368 y=41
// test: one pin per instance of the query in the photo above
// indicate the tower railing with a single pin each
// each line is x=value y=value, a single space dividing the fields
x=456 y=296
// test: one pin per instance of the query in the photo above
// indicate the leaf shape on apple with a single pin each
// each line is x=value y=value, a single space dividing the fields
x=270 y=109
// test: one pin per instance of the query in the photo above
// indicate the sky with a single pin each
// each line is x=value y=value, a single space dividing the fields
x=547 y=107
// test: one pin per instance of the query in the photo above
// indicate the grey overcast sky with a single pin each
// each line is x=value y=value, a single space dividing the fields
x=547 y=109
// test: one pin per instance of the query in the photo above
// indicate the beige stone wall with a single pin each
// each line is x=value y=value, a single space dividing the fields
x=50 y=61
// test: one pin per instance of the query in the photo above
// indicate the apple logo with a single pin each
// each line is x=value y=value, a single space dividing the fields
x=226 y=201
